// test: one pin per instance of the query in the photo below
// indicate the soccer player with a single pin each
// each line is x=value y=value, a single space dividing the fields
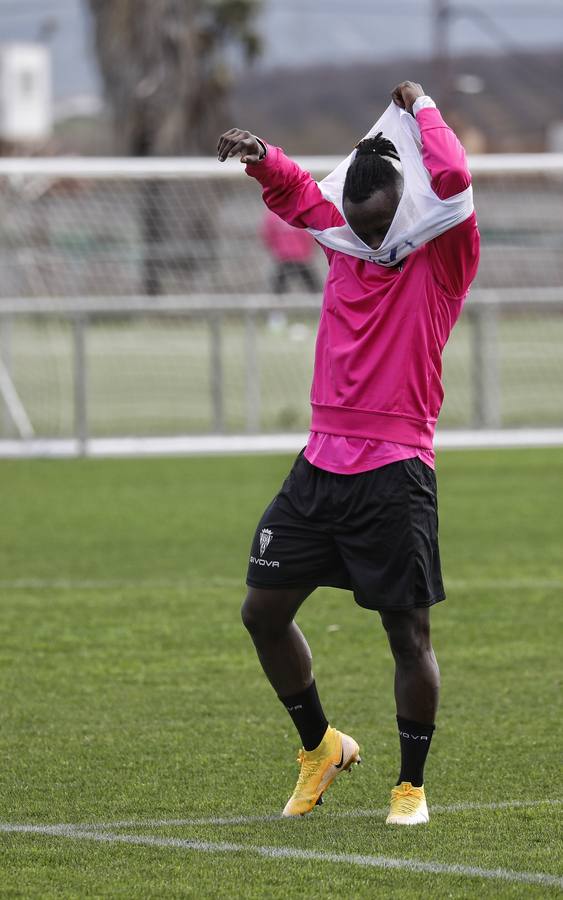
x=293 y=251
x=358 y=509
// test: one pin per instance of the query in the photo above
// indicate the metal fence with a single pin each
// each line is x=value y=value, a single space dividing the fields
x=136 y=306
x=216 y=318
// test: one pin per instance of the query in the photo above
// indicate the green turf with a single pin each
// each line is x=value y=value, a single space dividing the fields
x=129 y=690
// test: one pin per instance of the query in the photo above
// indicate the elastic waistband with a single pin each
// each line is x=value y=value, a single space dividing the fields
x=366 y=423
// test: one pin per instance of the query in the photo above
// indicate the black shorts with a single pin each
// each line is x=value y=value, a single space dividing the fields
x=375 y=533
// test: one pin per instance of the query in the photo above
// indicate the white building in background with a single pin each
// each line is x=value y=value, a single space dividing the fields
x=25 y=92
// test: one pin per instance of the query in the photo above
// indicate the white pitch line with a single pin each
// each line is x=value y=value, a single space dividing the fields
x=273 y=817
x=354 y=859
x=510 y=584
x=69 y=584
x=486 y=584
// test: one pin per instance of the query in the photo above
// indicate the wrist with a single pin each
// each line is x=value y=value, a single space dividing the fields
x=263 y=149
x=424 y=102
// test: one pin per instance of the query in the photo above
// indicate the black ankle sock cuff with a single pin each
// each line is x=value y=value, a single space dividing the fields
x=307 y=714
x=292 y=699
x=415 y=738
x=417 y=727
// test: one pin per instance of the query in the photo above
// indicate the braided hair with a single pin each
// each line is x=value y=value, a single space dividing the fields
x=371 y=170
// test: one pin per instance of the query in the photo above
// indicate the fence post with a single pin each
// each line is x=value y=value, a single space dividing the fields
x=486 y=378
x=80 y=384
x=216 y=372
x=6 y=323
x=252 y=375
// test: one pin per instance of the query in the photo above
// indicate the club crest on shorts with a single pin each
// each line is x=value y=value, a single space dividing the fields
x=265 y=537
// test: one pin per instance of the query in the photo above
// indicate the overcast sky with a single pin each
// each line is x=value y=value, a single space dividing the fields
x=297 y=32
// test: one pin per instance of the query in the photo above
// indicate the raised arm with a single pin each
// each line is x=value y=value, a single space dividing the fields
x=454 y=254
x=288 y=190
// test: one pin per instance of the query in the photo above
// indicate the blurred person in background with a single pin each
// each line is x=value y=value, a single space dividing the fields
x=293 y=251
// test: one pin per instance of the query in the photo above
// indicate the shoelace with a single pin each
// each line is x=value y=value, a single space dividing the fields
x=407 y=797
x=308 y=767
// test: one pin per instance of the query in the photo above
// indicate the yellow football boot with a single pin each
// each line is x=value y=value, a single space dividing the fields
x=408 y=805
x=319 y=767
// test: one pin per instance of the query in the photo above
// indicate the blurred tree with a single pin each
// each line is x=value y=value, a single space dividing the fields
x=166 y=69
x=165 y=66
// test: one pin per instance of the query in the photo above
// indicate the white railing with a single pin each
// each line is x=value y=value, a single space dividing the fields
x=203 y=166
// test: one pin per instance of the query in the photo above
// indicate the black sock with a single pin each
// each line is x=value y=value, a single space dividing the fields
x=308 y=717
x=415 y=743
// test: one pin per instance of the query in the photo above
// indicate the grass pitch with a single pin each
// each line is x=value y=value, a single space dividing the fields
x=130 y=693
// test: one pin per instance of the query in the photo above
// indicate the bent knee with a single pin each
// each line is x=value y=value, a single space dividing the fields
x=269 y=612
x=250 y=615
x=409 y=635
x=261 y=618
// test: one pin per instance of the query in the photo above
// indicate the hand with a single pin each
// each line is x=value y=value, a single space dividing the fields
x=236 y=142
x=406 y=93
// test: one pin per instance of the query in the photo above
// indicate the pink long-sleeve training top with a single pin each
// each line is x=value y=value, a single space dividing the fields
x=377 y=387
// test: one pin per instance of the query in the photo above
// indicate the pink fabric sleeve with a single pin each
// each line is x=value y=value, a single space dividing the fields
x=455 y=254
x=293 y=193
